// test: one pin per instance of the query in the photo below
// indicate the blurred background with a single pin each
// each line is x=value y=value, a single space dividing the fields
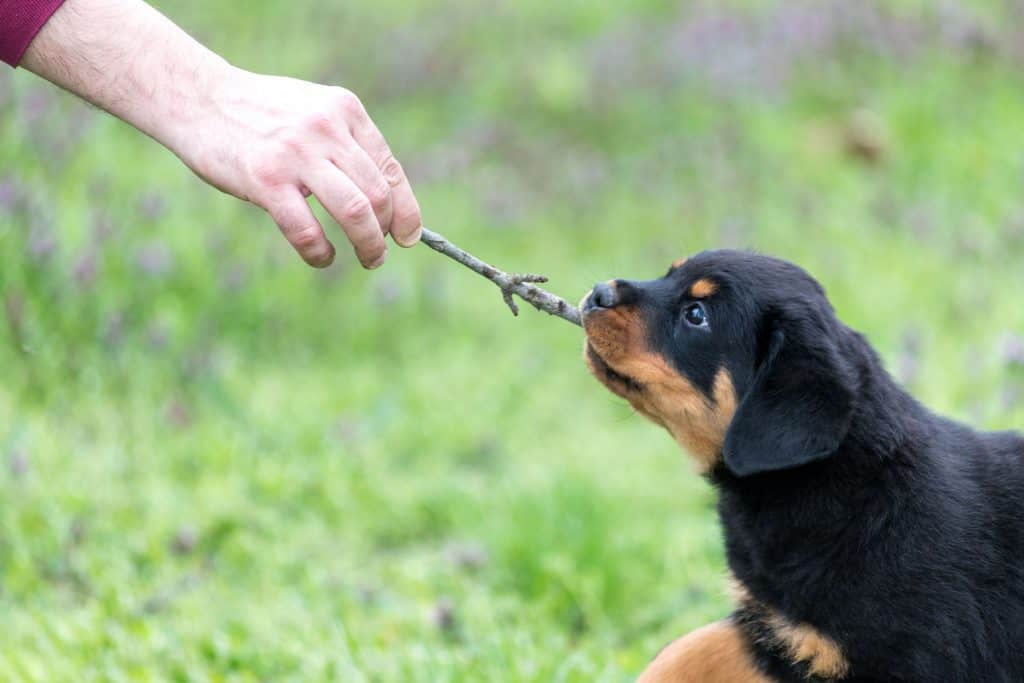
x=217 y=464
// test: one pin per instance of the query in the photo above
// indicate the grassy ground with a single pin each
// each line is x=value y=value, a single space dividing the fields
x=218 y=465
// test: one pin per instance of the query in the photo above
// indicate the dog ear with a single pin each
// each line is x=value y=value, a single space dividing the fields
x=800 y=403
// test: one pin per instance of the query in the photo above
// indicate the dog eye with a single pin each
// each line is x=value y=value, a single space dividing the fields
x=695 y=315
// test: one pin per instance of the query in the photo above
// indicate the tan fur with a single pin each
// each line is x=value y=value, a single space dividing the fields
x=696 y=421
x=703 y=288
x=715 y=653
x=804 y=643
x=678 y=263
x=738 y=592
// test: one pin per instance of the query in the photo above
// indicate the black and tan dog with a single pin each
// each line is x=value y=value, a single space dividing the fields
x=869 y=539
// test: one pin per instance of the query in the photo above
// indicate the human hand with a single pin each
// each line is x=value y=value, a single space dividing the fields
x=274 y=141
x=266 y=139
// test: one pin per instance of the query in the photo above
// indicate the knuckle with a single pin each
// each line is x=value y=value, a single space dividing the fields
x=392 y=170
x=321 y=124
x=379 y=195
x=357 y=209
x=307 y=239
x=350 y=104
x=283 y=145
x=293 y=143
x=408 y=215
x=267 y=172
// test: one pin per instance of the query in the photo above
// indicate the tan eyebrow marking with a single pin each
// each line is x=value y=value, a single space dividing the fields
x=678 y=263
x=703 y=288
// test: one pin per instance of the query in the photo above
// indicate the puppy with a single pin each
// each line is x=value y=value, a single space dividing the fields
x=868 y=538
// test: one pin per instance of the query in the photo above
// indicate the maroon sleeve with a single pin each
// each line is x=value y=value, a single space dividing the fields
x=20 y=21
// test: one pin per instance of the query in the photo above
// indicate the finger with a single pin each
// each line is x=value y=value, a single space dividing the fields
x=351 y=209
x=300 y=227
x=357 y=165
x=406 y=223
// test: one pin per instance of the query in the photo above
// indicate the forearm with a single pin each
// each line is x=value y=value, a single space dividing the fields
x=127 y=58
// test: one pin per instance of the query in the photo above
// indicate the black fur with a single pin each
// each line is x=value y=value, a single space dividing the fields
x=845 y=503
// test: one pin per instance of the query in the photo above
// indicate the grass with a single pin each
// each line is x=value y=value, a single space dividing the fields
x=218 y=465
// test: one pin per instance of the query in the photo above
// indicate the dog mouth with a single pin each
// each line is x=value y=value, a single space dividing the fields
x=609 y=374
x=604 y=332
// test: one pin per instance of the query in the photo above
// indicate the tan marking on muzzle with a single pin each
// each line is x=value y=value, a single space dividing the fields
x=698 y=422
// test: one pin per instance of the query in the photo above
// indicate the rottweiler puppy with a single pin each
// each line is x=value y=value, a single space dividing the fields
x=868 y=538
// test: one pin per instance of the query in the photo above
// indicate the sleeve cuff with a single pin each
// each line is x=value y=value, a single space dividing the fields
x=20 y=21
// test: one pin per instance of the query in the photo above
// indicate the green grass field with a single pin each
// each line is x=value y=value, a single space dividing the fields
x=219 y=465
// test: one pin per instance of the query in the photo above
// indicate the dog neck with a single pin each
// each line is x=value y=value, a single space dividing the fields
x=785 y=518
x=885 y=436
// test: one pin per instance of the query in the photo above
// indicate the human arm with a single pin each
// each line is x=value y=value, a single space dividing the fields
x=264 y=139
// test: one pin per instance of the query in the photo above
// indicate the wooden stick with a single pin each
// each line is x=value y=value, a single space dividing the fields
x=509 y=283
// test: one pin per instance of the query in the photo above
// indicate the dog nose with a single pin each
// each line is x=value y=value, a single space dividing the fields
x=604 y=296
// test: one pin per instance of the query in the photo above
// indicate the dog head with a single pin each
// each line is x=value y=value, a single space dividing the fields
x=738 y=355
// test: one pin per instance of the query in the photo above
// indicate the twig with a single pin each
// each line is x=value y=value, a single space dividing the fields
x=509 y=283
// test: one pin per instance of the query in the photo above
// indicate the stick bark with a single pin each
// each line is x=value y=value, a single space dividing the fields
x=522 y=285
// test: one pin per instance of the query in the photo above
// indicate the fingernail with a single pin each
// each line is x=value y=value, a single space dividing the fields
x=325 y=260
x=379 y=262
x=411 y=239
